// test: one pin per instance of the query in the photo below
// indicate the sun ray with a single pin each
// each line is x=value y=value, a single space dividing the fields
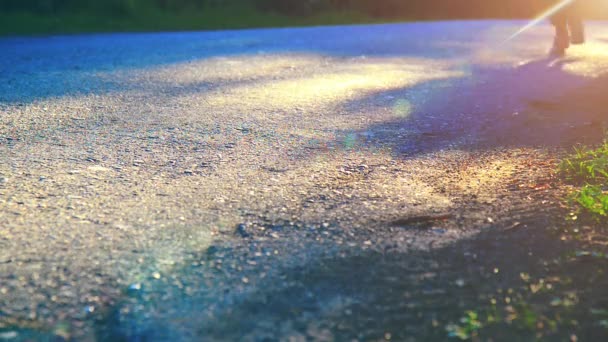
x=543 y=16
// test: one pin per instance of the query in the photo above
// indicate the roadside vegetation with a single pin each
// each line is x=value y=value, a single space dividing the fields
x=587 y=169
x=24 y=17
x=550 y=303
x=154 y=19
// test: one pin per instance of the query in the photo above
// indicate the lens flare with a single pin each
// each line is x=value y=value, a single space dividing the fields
x=543 y=16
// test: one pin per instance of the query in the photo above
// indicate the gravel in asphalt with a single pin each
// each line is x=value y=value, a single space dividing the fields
x=132 y=165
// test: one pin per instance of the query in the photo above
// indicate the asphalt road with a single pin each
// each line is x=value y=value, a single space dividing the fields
x=274 y=184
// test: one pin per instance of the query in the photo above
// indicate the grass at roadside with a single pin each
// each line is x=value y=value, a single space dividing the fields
x=155 y=20
x=587 y=168
x=561 y=300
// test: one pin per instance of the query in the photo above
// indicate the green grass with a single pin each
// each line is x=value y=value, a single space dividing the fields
x=586 y=165
x=468 y=328
x=151 y=19
x=588 y=169
x=593 y=199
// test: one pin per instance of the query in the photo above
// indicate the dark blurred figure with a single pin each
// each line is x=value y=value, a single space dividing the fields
x=569 y=28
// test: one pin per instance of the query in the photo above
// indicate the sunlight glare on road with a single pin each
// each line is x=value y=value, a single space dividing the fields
x=590 y=59
x=347 y=81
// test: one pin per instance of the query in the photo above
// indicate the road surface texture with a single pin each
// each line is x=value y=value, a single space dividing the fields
x=334 y=183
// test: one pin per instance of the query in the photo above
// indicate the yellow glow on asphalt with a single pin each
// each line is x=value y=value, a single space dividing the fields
x=220 y=69
x=588 y=60
x=350 y=81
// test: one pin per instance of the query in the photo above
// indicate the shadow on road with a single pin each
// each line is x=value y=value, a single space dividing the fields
x=535 y=279
x=538 y=104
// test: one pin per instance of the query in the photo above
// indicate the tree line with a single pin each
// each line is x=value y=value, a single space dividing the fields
x=414 y=9
x=109 y=6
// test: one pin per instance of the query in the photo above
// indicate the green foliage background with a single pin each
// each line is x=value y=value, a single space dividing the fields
x=455 y=8
x=51 y=16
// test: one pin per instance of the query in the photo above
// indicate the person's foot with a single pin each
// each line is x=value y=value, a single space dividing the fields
x=561 y=42
x=577 y=32
x=558 y=49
